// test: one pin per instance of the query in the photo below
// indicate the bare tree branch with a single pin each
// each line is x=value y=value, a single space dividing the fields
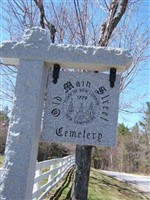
x=114 y=17
x=78 y=15
x=50 y=26
x=39 y=4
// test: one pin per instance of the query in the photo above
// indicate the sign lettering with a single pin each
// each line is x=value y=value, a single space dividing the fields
x=81 y=108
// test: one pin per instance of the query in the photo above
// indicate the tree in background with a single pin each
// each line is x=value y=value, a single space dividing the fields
x=131 y=154
x=110 y=23
x=137 y=153
x=103 y=23
x=4 y=122
x=145 y=140
x=112 y=158
x=47 y=151
x=122 y=130
x=146 y=123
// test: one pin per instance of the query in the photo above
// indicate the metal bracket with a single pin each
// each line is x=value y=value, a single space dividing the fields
x=112 y=77
x=56 y=73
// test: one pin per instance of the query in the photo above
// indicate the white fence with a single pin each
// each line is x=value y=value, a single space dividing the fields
x=48 y=174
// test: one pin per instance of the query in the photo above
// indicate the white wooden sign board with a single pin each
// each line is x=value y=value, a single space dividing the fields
x=82 y=109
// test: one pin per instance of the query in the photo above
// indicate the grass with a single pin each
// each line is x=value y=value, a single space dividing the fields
x=102 y=187
x=63 y=189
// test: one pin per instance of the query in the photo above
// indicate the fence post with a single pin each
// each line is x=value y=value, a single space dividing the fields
x=63 y=164
x=69 y=161
x=59 y=170
x=51 y=175
x=37 y=184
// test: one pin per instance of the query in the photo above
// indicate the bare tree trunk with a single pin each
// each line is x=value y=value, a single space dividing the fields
x=83 y=163
x=83 y=153
x=43 y=20
x=116 y=11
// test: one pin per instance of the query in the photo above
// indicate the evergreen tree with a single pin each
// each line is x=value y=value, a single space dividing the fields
x=146 y=122
x=4 y=117
x=4 y=121
x=122 y=129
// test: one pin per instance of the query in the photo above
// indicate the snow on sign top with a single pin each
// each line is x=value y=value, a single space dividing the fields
x=36 y=46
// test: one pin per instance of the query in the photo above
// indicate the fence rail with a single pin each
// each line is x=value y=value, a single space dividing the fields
x=48 y=174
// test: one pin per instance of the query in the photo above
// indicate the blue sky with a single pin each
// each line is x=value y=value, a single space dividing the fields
x=138 y=92
x=135 y=96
